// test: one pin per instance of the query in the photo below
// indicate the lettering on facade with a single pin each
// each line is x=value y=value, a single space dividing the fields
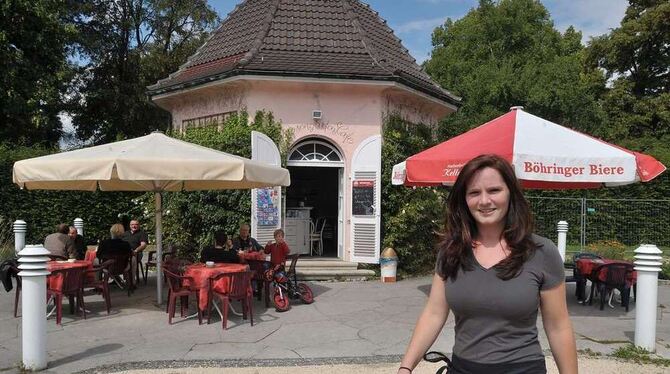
x=336 y=130
x=205 y=121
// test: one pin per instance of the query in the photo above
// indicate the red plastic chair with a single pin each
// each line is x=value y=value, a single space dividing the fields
x=176 y=266
x=121 y=266
x=73 y=281
x=97 y=279
x=258 y=268
x=178 y=290
x=239 y=289
x=616 y=278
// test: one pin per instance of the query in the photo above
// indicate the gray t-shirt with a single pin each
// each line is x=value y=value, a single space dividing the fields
x=496 y=319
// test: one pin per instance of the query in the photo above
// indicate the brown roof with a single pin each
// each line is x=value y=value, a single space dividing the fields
x=303 y=38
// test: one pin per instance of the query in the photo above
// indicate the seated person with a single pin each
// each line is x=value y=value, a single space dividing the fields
x=115 y=244
x=59 y=243
x=79 y=243
x=244 y=242
x=278 y=249
x=218 y=252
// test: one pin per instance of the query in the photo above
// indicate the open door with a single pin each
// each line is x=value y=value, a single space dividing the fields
x=266 y=209
x=365 y=199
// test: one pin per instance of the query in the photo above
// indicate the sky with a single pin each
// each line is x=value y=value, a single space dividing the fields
x=414 y=20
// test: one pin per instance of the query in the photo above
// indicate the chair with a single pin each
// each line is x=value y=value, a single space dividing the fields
x=120 y=266
x=176 y=266
x=258 y=268
x=291 y=273
x=178 y=290
x=316 y=235
x=616 y=278
x=239 y=284
x=577 y=277
x=151 y=262
x=72 y=286
x=17 y=293
x=98 y=279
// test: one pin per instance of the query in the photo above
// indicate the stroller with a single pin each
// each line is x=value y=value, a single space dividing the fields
x=285 y=285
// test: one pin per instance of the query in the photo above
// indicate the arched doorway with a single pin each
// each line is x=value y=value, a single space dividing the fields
x=315 y=199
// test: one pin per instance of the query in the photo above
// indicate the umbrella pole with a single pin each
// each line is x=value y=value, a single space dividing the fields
x=159 y=248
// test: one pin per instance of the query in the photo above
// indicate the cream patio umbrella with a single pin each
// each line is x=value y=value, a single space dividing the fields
x=154 y=162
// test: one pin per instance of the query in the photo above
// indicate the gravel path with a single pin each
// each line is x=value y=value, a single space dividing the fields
x=586 y=365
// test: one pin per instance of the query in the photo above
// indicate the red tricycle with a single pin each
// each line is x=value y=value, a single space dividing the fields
x=285 y=285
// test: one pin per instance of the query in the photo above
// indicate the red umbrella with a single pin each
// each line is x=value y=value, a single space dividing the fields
x=544 y=155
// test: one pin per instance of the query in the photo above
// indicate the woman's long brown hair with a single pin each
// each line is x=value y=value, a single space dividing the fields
x=455 y=249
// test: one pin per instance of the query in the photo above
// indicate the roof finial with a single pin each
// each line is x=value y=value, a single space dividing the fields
x=519 y=107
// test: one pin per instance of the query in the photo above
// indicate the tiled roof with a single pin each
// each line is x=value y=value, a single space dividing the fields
x=324 y=38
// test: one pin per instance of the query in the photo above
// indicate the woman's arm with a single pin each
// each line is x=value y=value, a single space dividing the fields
x=428 y=326
x=558 y=328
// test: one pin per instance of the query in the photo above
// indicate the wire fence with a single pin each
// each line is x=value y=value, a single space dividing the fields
x=628 y=221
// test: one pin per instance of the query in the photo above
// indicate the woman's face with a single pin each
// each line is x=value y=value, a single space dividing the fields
x=487 y=197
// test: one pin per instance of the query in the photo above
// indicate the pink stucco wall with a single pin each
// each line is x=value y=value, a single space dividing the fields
x=352 y=112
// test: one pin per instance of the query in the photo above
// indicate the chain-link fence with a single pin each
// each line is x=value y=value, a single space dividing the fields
x=630 y=222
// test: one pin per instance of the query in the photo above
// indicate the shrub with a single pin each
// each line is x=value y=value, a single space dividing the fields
x=608 y=249
x=410 y=217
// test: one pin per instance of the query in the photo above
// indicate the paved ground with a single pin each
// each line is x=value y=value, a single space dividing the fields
x=362 y=324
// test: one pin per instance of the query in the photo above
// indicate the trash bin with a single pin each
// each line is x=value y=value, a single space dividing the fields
x=389 y=265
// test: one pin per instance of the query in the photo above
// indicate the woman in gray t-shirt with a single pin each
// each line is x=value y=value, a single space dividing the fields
x=494 y=274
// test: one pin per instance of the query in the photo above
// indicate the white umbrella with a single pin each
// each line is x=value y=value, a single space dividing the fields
x=154 y=162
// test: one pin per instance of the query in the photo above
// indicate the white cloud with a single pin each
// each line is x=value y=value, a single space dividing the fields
x=591 y=17
x=420 y=25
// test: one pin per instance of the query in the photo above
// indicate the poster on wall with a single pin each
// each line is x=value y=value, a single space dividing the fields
x=363 y=198
x=267 y=213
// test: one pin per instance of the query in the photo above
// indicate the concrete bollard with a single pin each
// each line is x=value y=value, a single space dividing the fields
x=648 y=265
x=20 y=229
x=389 y=265
x=33 y=264
x=79 y=225
x=562 y=229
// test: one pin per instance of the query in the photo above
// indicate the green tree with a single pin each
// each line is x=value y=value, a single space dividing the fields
x=125 y=46
x=636 y=58
x=508 y=53
x=33 y=70
x=411 y=218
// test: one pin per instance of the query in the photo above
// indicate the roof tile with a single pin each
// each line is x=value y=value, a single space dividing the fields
x=342 y=37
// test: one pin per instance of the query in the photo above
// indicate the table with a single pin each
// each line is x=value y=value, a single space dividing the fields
x=55 y=281
x=201 y=274
x=254 y=255
x=589 y=269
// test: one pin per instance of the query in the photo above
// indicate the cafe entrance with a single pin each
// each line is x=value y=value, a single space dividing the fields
x=314 y=201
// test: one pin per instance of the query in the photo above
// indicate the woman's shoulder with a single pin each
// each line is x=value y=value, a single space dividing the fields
x=543 y=244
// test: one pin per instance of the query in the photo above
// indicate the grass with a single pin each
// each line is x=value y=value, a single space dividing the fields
x=639 y=355
x=589 y=353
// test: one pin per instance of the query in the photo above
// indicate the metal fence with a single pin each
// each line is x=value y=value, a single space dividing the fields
x=628 y=221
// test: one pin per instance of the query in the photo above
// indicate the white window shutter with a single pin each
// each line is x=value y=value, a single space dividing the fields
x=266 y=208
x=365 y=220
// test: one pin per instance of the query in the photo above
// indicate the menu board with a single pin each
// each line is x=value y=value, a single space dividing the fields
x=267 y=213
x=363 y=198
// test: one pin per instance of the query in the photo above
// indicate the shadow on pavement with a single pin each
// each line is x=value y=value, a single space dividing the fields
x=93 y=351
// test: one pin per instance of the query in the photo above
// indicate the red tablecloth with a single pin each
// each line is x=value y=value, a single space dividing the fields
x=55 y=281
x=587 y=265
x=201 y=274
x=260 y=256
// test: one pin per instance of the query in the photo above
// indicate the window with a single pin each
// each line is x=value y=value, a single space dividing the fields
x=313 y=153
